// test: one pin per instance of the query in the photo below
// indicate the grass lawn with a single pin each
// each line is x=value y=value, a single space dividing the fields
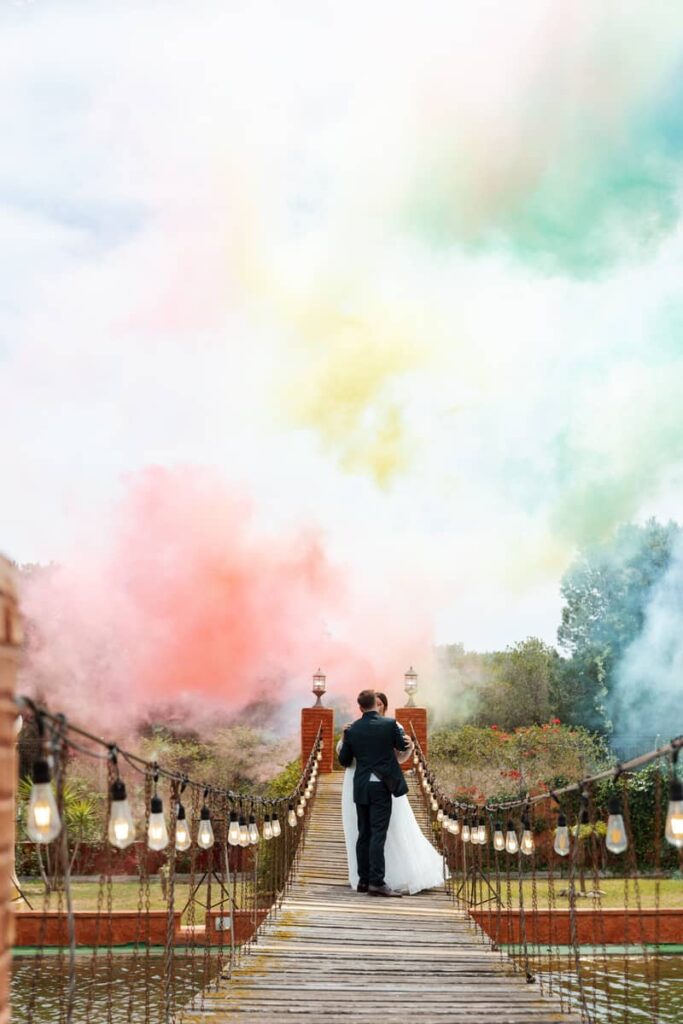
x=670 y=893
x=124 y=895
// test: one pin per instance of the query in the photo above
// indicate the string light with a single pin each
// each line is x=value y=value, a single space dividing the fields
x=291 y=816
x=616 y=839
x=300 y=809
x=277 y=830
x=120 y=830
x=244 y=831
x=562 y=843
x=183 y=839
x=674 y=817
x=435 y=804
x=527 y=844
x=267 y=827
x=205 y=836
x=253 y=830
x=482 y=832
x=498 y=837
x=466 y=831
x=157 y=833
x=455 y=827
x=511 y=841
x=439 y=814
x=234 y=829
x=43 y=823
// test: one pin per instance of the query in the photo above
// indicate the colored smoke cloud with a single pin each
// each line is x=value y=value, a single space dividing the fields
x=648 y=695
x=189 y=604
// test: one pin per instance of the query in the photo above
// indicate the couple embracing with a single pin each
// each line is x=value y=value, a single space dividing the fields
x=387 y=850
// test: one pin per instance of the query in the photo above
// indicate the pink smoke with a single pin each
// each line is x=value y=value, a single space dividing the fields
x=188 y=605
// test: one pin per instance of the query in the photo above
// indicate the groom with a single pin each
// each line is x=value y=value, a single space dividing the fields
x=373 y=740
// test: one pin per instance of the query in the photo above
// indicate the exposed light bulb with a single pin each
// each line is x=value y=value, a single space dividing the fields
x=300 y=810
x=43 y=823
x=439 y=814
x=511 y=841
x=498 y=838
x=435 y=805
x=482 y=833
x=562 y=842
x=527 y=845
x=234 y=829
x=267 y=828
x=674 y=817
x=616 y=839
x=455 y=827
x=291 y=816
x=253 y=830
x=205 y=836
x=415 y=758
x=277 y=830
x=183 y=839
x=157 y=833
x=244 y=831
x=466 y=832
x=120 y=830
x=319 y=756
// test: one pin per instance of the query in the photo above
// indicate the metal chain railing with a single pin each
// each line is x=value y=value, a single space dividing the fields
x=508 y=883
x=229 y=853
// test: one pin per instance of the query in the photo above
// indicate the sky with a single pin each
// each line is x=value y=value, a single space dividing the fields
x=403 y=280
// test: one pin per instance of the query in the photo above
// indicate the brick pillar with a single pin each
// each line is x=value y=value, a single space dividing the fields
x=311 y=720
x=414 y=719
x=10 y=638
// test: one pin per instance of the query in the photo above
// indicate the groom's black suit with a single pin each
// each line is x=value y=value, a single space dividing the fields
x=373 y=740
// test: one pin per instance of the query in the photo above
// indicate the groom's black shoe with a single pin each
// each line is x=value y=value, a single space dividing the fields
x=362 y=887
x=382 y=890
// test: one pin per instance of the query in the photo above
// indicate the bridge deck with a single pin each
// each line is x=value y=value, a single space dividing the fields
x=335 y=955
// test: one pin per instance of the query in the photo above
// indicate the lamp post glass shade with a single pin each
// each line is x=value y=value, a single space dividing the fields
x=410 y=686
x=319 y=687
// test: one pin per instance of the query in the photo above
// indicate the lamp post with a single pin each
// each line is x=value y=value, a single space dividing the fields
x=319 y=687
x=410 y=686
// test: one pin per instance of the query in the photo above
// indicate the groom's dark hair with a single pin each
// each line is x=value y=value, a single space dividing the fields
x=366 y=700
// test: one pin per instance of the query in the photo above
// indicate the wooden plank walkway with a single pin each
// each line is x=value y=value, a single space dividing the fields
x=339 y=956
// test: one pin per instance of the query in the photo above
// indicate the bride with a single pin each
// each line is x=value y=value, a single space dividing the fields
x=412 y=863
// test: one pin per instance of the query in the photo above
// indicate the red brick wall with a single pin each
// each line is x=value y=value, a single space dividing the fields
x=10 y=638
x=311 y=719
x=34 y=928
x=414 y=718
x=245 y=924
x=611 y=927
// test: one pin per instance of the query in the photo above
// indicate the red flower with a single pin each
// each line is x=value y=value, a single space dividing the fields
x=555 y=721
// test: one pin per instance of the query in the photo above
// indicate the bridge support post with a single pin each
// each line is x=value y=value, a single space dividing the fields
x=414 y=719
x=311 y=720
x=10 y=638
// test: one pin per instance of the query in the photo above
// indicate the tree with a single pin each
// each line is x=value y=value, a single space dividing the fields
x=606 y=591
x=519 y=686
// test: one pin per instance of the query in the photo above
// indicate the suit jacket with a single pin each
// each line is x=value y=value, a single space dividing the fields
x=373 y=740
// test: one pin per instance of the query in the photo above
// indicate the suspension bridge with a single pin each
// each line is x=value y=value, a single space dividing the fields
x=258 y=922
x=341 y=956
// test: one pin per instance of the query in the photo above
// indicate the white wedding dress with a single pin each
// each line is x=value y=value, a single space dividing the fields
x=411 y=862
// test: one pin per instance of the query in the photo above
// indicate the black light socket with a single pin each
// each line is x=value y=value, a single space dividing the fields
x=41 y=772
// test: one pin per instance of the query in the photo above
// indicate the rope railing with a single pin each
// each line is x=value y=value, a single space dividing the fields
x=536 y=872
x=224 y=860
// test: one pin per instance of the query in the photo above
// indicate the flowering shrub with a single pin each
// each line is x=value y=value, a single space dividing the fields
x=493 y=763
